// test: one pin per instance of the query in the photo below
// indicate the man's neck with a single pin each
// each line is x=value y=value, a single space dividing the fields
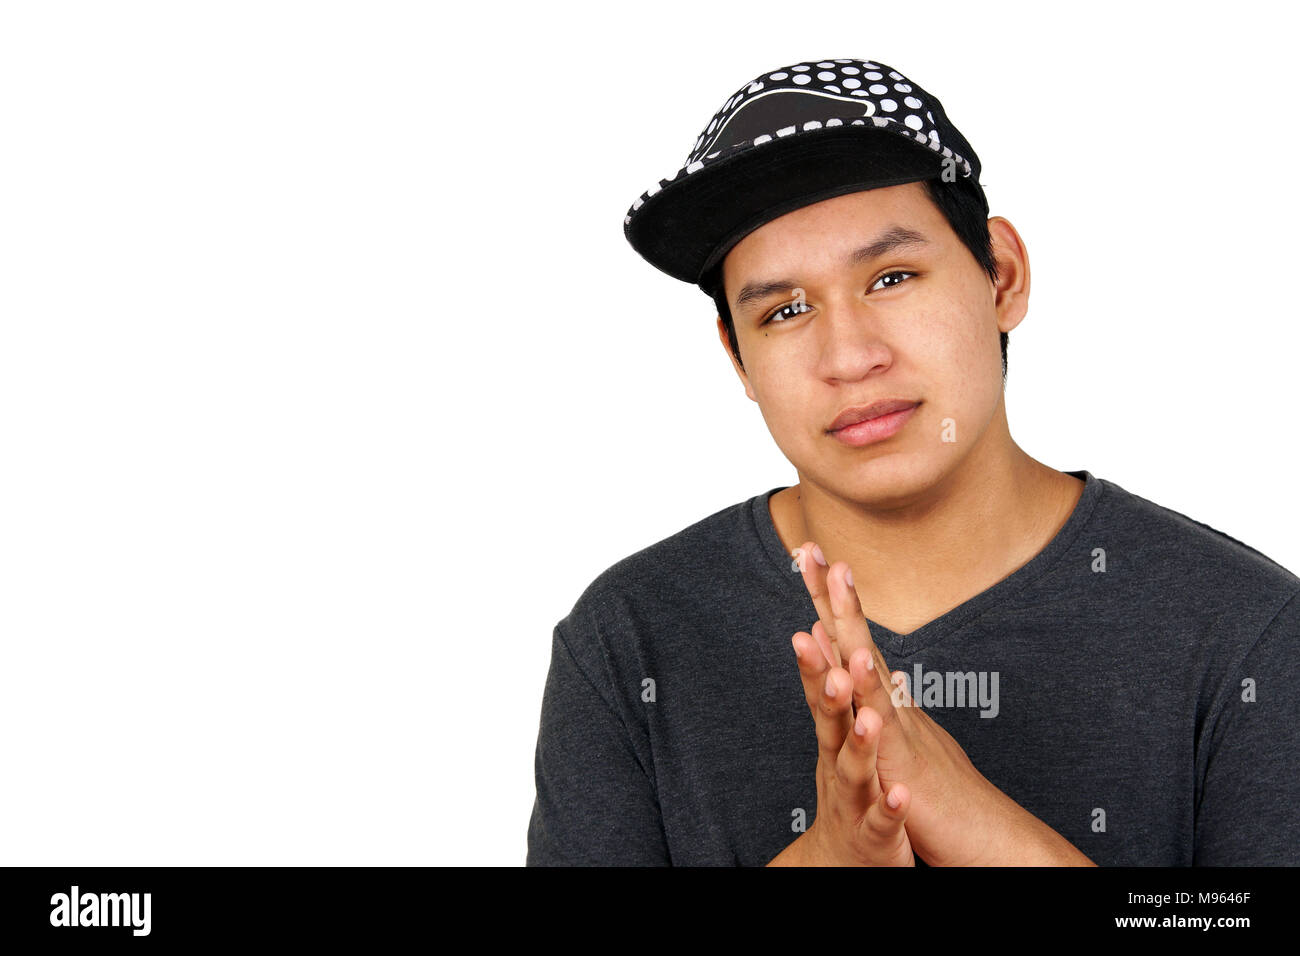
x=915 y=559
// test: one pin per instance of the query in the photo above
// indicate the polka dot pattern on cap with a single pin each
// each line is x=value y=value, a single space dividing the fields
x=816 y=95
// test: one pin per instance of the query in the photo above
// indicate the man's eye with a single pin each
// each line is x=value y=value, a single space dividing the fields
x=895 y=277
x=785 y=312
x=789 y=309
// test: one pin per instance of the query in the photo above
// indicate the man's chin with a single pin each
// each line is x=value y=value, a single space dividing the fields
x=883 y=483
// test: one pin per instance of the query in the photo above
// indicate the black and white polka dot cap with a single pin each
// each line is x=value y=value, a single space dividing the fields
x=790 y=137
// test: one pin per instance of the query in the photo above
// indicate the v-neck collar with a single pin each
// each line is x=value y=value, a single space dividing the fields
x=953 y=620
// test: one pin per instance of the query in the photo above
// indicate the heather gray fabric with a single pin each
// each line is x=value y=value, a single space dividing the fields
x=1119 y=692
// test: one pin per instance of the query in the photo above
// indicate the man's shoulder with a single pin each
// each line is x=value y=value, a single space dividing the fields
x=1181 y=551
x=681 y=568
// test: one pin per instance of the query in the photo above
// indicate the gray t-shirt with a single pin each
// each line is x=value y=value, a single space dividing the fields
x=1134 y=686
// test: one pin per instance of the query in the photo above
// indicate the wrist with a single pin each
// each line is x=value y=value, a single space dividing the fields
x=814 y=851
x=1018 y=838
x=800 y=852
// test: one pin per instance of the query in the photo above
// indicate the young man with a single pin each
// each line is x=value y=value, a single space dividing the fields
x=933 y=648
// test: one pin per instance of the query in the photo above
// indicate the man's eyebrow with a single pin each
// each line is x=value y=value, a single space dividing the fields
x=892 y=238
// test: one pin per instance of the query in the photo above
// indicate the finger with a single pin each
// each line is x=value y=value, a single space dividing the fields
x=830 y=652
x=833 y=718
x=867 y=689
x=826 y=644
x=813 y=565
x=813 y=667
x=856 y=766
x=851 y=627
x=884 y=821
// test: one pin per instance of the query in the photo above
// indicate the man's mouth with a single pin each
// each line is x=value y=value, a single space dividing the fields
x=862 y=413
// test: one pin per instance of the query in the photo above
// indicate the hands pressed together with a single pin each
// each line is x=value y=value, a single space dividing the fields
x=891 y=783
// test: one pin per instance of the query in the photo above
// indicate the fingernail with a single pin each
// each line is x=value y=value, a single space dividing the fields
x=893 y=800
x=848 y=577
x=859 y=727
x=830 y=686
x=818 y=556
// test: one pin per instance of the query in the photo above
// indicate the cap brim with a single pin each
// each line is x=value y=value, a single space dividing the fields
x=690 y=224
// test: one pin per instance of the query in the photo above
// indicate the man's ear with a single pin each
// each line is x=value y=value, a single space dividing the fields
x=1012 y=288
x=735 y=362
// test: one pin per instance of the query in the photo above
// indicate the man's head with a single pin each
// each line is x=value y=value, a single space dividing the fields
x=898 y=292
x=800 y=170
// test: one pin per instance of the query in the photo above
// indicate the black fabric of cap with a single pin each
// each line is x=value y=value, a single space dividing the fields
x=789 y=138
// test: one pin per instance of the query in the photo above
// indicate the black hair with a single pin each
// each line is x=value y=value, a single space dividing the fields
x=962 y=203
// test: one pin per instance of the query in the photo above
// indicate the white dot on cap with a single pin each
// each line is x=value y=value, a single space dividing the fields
x=874 y=76
x=826 y=76
x=895 y=74
x=850 y=70
x=801 y=79
x=778 y=76
x=833 y=89
x=888 y=106
x=914 y=122
x=760 y=140
x=785 y=130
x=878 y=89
x=912 y=102
x=902 y=88
x=851 y=83
x=800 y=68
x=835 y=122
x=826 y=66
x=812 y=124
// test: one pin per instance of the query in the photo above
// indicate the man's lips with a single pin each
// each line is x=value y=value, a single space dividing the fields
x=862 y=413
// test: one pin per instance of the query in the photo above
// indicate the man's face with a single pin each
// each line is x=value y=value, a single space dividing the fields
x=896 y=308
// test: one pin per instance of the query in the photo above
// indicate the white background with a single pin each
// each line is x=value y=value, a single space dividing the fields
x=328 y=380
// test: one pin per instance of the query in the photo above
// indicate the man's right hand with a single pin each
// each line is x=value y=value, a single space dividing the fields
x=855 y=824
